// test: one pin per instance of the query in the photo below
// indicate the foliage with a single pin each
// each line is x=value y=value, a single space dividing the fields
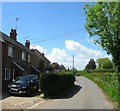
x=82 y=72
x=56 y=66
x=53 y=83
x=104 y=22
x=102 y=71
x=91 y=65
x=104 y=63
x=65 y=72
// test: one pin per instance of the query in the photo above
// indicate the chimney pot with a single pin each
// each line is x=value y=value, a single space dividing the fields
x=42 y=54
x=13 y=34
x=27 y=44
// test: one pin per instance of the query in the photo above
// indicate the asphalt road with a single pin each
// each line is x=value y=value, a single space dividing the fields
x=86 y=96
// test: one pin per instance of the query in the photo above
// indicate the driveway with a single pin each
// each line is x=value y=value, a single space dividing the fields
x=20 y=102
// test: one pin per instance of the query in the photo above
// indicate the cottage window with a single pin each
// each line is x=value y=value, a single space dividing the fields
x=23 y=56
x=7 y=74
x=10 y=51
x=29 y=58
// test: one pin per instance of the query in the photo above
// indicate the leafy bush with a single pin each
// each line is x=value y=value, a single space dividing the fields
x=103 y=71
x=82 y=72
x=53 y=83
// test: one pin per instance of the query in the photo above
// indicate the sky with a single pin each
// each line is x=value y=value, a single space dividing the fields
x=54 y=28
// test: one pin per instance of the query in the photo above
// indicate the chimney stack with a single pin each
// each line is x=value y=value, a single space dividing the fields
x=27 y=44
x=43 y=54
x=13 y=34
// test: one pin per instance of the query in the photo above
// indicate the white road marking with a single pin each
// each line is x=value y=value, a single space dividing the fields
x=35 y=105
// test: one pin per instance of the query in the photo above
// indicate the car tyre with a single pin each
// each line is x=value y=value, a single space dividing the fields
x=37 y=89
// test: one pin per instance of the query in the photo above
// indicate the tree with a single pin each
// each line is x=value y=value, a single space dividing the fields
x=103 y=20
x=104 y=63
x=91 y=65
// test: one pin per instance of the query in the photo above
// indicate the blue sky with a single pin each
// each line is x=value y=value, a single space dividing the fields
x=42 y=22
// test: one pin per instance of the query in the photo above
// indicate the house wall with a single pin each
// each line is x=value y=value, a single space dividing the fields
x=41 y=59
x=17 y=53
x=7 y=62
x=35 y=60
x=47 y=64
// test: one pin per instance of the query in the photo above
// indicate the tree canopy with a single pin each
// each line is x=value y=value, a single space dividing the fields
x=91 y=65
x=104 y=63
x=103 y=23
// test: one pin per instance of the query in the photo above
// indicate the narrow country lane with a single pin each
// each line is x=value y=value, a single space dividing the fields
x=88 y=97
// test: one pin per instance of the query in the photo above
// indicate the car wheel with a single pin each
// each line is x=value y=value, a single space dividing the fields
x=37 y=89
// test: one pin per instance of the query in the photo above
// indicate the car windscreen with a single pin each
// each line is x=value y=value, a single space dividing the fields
x=22 y=79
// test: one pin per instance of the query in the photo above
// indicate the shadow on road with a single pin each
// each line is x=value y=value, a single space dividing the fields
x=68 y=93
x=72 y=91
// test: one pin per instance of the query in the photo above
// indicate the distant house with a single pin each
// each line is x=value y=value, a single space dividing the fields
x=63 y=67
x=56 y=67
x=41 y=60
x=18 y=59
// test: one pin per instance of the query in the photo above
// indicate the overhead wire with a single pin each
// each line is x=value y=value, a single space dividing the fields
x=97 y=51
x=49 y=36
x=56 y=37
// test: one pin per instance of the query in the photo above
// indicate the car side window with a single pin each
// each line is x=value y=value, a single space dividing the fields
x=33 y=78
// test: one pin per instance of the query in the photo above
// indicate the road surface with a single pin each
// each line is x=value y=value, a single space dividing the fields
x=86 y=96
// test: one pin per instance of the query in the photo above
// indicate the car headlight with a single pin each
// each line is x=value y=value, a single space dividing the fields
x=23 y=87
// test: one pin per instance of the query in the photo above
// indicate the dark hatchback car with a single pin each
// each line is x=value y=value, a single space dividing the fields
x=24 y=85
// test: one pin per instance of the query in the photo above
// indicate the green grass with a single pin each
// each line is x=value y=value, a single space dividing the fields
x=107 y=81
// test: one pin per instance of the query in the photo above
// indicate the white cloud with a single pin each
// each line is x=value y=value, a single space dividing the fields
x=39 y=48
x=60 y=56
x=82 y=51
x=81 y=54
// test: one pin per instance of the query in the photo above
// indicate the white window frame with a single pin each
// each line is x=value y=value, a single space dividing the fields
x=29 y=58
x=7 y=74
x=23 y=55
x=10 y=51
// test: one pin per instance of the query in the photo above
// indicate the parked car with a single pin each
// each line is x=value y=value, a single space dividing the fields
x=24 y=85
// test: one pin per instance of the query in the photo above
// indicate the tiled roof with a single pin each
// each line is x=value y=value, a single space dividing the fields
x=36 y=52
x=6 y=38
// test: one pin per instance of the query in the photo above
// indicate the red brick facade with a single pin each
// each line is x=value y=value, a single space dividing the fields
x=17 y=59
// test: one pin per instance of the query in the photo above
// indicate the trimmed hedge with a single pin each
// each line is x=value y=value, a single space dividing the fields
x=53 y=83
x=103 y=71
